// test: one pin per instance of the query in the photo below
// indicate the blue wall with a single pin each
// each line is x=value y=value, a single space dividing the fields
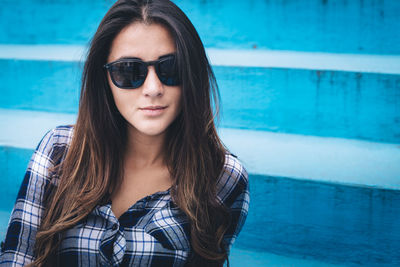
x=331 y=222
x=321 y=103
x=312 y=102
x=359 y=26
x=40 y=85
x=13 y=163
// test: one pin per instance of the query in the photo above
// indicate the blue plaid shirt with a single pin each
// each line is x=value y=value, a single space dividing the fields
x=152 y=232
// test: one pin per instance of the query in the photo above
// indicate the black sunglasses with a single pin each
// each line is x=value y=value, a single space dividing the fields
x=130 y=73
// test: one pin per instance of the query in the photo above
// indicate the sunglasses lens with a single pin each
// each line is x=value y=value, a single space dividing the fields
x=131 y=74
x=167 y=71
x=128 y=74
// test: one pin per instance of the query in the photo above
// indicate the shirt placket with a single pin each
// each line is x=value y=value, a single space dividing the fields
x=113 y=242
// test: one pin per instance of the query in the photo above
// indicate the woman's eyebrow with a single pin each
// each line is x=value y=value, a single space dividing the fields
x=130 y=57
x=127 y=57
x=167 y=55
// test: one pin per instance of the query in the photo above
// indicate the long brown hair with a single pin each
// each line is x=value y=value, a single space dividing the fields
x=93 y=163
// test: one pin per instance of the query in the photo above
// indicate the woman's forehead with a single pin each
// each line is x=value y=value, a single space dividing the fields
x=144 y=41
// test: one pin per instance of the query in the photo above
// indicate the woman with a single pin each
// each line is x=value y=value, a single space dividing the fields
x=142 y=179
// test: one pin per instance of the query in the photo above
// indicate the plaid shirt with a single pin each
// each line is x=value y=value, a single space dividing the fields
x=152 y=232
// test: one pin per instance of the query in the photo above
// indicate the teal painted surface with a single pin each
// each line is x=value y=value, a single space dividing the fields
x=360 y=26
x=311 y=102
x=242 y=257
x=13 y=163
x=328 y=222
x=356 y=26
x=40 y=85
x=54 y=22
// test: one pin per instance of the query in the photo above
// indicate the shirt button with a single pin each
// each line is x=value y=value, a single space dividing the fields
x=115 y=227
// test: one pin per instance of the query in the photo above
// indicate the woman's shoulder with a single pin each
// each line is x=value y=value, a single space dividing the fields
x=59 y=135
x=233 y=180
x=55 y=141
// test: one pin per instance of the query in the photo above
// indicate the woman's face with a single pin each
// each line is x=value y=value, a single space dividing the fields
x=152 y=107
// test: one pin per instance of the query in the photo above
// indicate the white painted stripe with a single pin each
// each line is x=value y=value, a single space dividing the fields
x=43 y=52
x=316 y=158
x=387 y=64
x=287 y=155
x=24 y=129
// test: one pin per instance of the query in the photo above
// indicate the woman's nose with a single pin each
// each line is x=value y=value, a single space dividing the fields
x=152 y=85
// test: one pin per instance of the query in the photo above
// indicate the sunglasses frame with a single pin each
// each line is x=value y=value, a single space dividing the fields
x=154 y=63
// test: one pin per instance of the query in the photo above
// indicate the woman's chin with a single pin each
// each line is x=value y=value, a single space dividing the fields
x=148 y=130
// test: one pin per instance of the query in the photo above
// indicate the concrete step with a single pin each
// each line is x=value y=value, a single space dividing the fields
x=238 y=257
x=328 y=222
x=319 y=94
x=241 y=257
x=321 y=199
x=337 y=160
x=327 y=26
x=363 y=63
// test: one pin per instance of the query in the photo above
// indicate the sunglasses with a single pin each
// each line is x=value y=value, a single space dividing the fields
x=130 y=73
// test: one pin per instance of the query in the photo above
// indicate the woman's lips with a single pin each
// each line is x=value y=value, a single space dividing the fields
x=153 y=110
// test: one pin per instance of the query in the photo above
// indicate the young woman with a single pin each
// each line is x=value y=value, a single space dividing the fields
x=142 y=178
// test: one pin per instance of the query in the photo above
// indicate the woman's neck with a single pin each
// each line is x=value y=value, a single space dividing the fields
x=144 y=150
